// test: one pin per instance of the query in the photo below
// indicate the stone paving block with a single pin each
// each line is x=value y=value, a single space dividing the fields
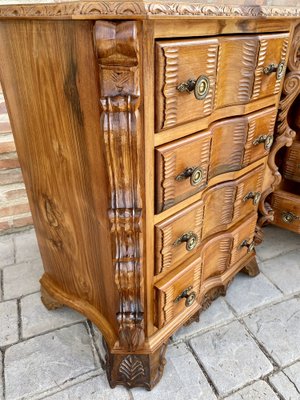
x=8 y=323
x=45 y=362
x=230 y=357
x=1 y=373
x=257 y=391
x=6 y=250
x=246 y=293
x=99 y=342
x=37 y=319
x=217 y=314
x=277 y=241
x=277 y=328
x=26 y=247
x=284 y=271
x=182 y=379
x=21 y=279
x=287 y=382
x=94 y=389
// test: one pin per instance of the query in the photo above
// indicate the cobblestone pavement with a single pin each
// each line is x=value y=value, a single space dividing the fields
x=246 y=345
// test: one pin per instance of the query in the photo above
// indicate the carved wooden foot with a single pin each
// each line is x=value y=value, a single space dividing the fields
x=208 y=298
x=251 y=268
x=49 y=302
x=135 y=370
x=194 y=318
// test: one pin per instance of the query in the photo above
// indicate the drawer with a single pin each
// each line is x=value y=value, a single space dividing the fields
x=186 y=285
x=177 y=61
x=179 y=237
x=194 y=77
x=286 y=208
x=238 y=142
x=250 y=67
x=181 y=169
x=185 y=166
x=291 y=165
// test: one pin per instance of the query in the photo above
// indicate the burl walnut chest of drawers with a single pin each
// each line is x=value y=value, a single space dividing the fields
x=145 y=132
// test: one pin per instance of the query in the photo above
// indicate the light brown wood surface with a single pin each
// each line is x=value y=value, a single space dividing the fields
x=57 y=133
x=145 y=198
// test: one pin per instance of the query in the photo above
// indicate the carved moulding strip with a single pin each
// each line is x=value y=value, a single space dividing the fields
x=284 y=133
x=117 y=50
x=139 y=8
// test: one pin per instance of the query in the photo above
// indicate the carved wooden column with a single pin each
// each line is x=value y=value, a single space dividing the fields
x=118 y=53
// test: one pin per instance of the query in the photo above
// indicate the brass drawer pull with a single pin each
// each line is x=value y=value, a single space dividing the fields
x=250 y=246
x=289 y=217
x=189 y=297
x=190 y=238
x=279 y=69
x=200 y=87
x=194 y=173
x=266 y=139
x=253 y=195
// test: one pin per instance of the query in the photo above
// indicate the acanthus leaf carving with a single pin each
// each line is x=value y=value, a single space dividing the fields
x=132 y=368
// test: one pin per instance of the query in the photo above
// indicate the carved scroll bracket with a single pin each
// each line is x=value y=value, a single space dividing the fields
x=117 y=51
x=284 y=133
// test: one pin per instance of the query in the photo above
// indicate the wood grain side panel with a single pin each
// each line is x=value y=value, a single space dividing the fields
x=49 y=75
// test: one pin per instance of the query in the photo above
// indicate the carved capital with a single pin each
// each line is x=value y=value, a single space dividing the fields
x=117 y=49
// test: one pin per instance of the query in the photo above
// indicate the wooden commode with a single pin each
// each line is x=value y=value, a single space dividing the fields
x=145 y=133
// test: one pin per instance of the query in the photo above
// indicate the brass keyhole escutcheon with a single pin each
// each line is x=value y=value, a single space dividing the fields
x=280 y=70
x=190 y=238
x=194 y=173
x=189 y=297
x=191 y=242
x=201 y=87
x=196 y=176
x=288 y=217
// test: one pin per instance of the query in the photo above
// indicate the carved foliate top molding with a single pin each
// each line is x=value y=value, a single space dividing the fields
x=144 y=9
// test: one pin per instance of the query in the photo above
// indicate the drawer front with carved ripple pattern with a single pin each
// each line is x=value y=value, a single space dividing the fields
x=197 y=76
x=184 y=167
x=185 y=286
x=180 y=236
x=286 y=208
x=291 y=165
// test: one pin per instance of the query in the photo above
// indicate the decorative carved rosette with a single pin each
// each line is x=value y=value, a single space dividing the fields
x=117 y=48
x=285 y=134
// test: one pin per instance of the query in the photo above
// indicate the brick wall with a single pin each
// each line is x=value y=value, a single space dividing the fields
x=14 y=208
